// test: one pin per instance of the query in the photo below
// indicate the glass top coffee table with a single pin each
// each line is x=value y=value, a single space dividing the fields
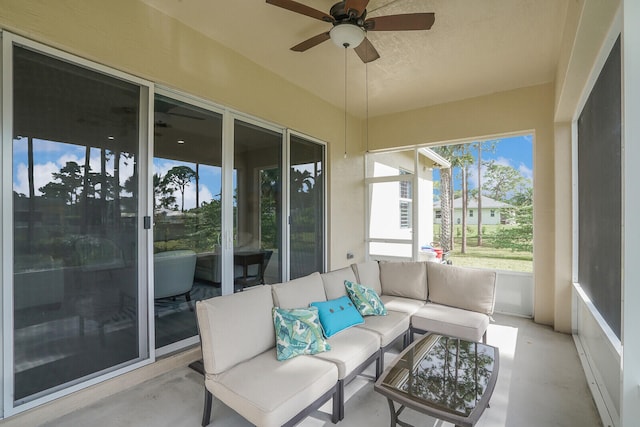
x=444 y=377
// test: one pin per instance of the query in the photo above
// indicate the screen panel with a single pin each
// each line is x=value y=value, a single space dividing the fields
x=600 y=193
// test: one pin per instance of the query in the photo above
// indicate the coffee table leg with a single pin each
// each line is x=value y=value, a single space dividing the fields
x=392 y=409
x=394 y=415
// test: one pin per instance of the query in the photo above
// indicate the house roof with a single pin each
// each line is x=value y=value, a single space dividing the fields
x=472 y=203
x=474 y=48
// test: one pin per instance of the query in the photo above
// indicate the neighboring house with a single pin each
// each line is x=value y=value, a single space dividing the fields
x=395 y=219
x=493 y=211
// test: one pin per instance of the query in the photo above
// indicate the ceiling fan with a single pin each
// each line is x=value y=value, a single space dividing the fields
x=350 y=25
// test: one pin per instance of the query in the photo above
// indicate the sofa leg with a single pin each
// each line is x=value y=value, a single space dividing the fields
x=335 y=416
x=379 y=364
x=341 y=400
x=206 y=414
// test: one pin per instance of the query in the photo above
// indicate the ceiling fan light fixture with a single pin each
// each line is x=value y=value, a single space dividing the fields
x=347 y=35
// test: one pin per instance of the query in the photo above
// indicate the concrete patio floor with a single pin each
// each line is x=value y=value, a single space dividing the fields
x=541 y=383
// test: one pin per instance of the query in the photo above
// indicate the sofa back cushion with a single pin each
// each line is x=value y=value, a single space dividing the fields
x=334 y=282
x=298 y=293
x=368 y=274
x=404 y=279
x=235 y=328
x=463 y=287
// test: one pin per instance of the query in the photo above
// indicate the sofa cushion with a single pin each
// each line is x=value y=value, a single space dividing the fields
x=463 y=287
x=337 y=315
x=235 y=328
x=298 y=293
x=350 y=349
x=298 y=332
x=334 y=282
x=267 y=392
x=405 y=305
x=365 y=299
x=368 y=274
x=388 y=327
x=454 y=322
x=404 y=279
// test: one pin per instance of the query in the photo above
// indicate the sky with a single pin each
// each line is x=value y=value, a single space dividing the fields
x=514 y=151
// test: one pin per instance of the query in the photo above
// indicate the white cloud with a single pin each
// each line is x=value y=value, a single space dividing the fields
x=525 y=171
x=41 y=177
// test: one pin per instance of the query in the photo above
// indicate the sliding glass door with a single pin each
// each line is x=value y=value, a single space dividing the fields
x=76 y=167
x=306 y=206
x=187 y=207
x=257 y=204
x=124 y=205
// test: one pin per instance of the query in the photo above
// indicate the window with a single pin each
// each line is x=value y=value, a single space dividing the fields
x=470 y=213
x=492 y=213
x=405 y=201
x=438 y=214
x=405 y=214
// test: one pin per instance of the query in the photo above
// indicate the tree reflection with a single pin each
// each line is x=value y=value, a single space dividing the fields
x=450 y=373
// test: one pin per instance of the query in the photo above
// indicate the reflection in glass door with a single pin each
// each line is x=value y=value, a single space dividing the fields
x=306 y=204
x=257 y=205
x=75 y=224
x=187 y=167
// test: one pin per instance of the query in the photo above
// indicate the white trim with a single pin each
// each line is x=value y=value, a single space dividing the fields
x=630 y=369
x=612 y=338
x=226 y=257
x=6 y=228
x=593 y=384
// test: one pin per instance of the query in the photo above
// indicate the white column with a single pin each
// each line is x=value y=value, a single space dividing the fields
x=630 y=366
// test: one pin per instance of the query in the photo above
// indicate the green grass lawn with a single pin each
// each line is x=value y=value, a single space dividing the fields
x=486 y=256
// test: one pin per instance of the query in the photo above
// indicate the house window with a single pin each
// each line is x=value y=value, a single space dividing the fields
x=438 y=214
x=405 y=214
x=493 y=213
x=470 y=213
x=405 y=201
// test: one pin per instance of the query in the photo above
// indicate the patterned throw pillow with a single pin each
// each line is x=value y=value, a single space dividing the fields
x=337 y=314
x=298 y=331
x=365 y=299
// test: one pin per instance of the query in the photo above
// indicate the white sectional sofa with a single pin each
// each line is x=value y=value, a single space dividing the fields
x=239 y=340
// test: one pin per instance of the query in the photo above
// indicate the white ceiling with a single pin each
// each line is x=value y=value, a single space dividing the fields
x=475 y=47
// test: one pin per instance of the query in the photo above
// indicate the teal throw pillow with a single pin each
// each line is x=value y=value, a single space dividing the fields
x=337 y=315
x=298 y=331
x=365 y=299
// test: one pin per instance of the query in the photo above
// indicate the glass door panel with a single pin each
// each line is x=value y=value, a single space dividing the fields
x=75 y=224
x=257 y=205
x=306 y=198
x=187 y=206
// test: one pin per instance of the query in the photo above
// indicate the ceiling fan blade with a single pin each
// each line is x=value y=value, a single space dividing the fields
x=309 y=43
x=303 y=9
x=357 y=5
x=409 y=21
x=366 y=51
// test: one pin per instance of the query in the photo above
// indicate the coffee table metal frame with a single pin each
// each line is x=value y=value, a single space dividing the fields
x=428 y=409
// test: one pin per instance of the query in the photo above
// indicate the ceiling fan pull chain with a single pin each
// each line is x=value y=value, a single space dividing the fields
x=366 y=96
